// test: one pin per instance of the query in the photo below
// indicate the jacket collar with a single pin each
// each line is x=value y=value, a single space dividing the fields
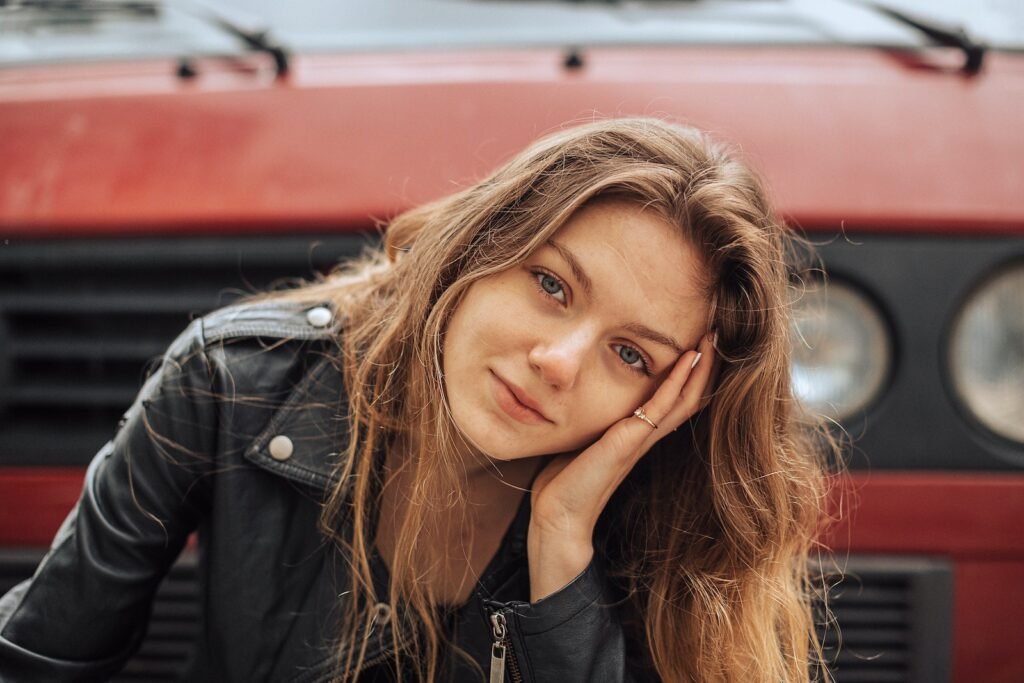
x=308 y=435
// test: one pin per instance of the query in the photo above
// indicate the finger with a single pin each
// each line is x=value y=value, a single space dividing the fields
x=699 y=383
x=712 y=384
x=666 y=396
x=599 y=469
x=700 y=379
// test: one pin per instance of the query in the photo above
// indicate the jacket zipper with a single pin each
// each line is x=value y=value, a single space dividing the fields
x=325 y=671
x=375 y=661
x=502 y=652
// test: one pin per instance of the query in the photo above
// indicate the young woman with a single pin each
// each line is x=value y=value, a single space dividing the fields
x=547 y=434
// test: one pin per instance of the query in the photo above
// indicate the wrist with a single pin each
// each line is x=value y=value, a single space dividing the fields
x=555 y=562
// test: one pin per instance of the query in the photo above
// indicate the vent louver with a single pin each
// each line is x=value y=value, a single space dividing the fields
x=895 y=621
x=80 y=319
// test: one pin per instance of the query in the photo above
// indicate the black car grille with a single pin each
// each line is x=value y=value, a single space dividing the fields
x=80 y=319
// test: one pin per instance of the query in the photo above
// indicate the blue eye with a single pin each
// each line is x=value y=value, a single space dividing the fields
x=633 y=359
x=551 y=285
x=629 y=355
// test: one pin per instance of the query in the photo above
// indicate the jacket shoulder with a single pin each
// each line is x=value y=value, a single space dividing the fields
x=264 y=349
x=273 y=319
x=274 y=364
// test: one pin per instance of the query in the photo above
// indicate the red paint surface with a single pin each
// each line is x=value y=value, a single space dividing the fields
x=988 y=602
x=34 y=501
x=960 y=515
x=846 y=137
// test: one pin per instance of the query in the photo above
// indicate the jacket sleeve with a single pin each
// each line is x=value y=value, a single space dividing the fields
x=85 y=610
x=574 y=634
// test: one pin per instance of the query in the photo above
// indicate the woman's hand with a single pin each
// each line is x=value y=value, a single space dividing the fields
x=572 y=490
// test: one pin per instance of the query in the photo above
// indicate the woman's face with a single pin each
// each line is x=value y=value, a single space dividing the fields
x=544 y=357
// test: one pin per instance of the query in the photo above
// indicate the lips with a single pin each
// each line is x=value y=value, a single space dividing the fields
x=517 y=403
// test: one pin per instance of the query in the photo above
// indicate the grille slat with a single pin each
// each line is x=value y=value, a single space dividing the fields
x=44 y=444
x=872 y=615
x=878 y=660
x=64 y=393
x=867 y=594
x=82 y=350
x=870 y=636
x=76 y=303
x=81 y=319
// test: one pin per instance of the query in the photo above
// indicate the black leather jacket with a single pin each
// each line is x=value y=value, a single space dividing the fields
x=236 y=435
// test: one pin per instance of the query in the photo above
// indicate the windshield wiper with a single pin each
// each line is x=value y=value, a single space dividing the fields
x=256 y=38
x=945 y=36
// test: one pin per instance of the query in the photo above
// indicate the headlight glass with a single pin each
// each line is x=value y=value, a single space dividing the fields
x=841 y=350
x=987 y=354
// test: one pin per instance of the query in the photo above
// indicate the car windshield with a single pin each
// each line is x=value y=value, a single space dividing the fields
x=77 y=30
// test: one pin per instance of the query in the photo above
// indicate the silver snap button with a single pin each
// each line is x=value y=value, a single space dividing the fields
x=383 y=614
x=281 y=447
x=319 y=316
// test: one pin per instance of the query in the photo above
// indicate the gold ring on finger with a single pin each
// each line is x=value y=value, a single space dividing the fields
x=639 y=412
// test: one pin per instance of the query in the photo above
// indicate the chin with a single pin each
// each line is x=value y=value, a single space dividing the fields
x=503 y=452
x=509 y=453
x=495 y=447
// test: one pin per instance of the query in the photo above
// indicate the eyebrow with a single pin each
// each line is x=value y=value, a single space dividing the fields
x=574 y=265
x=655 y=336
x=638 y=329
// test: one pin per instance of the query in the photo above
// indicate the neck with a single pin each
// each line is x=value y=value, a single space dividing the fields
x=454 y=542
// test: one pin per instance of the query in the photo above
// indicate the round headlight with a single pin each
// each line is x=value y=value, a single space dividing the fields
x=987 y=354
x=841 y=350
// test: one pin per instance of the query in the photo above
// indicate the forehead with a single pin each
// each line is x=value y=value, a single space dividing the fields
x=640 y=266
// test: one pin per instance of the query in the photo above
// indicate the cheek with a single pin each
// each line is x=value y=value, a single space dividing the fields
x=490 y=313
x=594 y=416
x=479 y=327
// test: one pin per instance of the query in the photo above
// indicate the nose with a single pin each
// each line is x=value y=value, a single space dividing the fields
x=559 y=357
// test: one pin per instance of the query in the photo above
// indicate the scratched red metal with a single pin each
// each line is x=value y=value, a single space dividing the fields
x=130 y=148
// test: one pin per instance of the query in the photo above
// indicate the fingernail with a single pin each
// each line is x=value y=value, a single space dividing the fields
x=714 y=339
x=696 y=360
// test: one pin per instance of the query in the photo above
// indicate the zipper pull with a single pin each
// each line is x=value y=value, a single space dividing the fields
x=498 y=648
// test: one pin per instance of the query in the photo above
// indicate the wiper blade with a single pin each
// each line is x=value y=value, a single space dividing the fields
x=946 y=36
x=256 y=38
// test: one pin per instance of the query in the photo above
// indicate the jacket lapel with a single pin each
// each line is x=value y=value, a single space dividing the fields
x=308 y=435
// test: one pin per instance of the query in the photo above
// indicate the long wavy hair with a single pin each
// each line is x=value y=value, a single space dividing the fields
x=709 y=538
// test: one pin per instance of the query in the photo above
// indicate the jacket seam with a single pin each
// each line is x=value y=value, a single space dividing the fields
x=236 y=321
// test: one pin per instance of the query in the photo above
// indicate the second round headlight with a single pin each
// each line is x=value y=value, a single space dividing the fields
x=842 y=353
x=987 y=354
